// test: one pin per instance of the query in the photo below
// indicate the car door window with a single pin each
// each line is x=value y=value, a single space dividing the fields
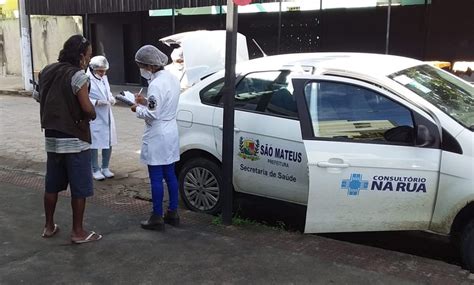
x=267 y=92
x=345 y=111
x=211 y=94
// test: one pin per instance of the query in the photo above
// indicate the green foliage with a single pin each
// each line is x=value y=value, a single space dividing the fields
x=243 y=222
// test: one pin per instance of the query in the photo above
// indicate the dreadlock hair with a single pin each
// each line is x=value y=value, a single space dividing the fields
x=72 y=50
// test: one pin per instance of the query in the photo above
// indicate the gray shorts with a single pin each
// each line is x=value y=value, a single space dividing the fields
x=69 y=168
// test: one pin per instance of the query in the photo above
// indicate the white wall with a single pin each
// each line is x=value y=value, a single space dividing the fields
x=48 y=34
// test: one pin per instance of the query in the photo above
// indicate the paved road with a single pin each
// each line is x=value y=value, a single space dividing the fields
x=197 y=252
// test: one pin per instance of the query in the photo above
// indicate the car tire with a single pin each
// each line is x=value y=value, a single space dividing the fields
x=200 y=184
x=467 y=246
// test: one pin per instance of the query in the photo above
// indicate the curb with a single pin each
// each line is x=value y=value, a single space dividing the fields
x=22 y=93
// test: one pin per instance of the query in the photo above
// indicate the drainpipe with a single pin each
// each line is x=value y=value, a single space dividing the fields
x=322 y=33
x=31 y=51
x=279 y=29
x=173 y=20
x=427 y=23
x=85 y=26
x=387 y=35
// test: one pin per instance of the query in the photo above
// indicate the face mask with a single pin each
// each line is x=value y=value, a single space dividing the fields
x=98 y=76
x=146 y=74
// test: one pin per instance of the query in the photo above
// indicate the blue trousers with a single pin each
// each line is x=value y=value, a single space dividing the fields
x=157 y=173
x=106 y=153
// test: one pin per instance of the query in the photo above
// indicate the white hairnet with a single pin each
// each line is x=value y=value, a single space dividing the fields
x=151 y=55
x=177 y=54
x=99 y=62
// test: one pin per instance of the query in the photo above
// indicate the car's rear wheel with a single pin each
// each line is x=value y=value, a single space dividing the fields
x=200 y=183
x=467 y=246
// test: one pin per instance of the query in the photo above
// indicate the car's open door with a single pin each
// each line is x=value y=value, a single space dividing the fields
x=209 y=57
x=373 y=159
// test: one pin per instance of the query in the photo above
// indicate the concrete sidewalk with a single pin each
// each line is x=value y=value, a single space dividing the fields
x=13 y=85
x=22 y=144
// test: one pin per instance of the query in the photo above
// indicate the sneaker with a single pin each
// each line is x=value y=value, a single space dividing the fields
x=155 y=223
x=107 y=173
x=171 y=218
x=98 y=176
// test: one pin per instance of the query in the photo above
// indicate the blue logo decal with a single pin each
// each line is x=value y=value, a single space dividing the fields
x=354 y=184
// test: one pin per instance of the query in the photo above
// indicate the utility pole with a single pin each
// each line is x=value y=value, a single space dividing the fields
x=25 y=47
x=228 y=119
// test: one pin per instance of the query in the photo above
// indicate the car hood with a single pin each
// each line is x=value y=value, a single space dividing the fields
x=204 y=52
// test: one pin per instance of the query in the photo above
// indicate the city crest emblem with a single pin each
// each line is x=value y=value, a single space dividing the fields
x=249 y=149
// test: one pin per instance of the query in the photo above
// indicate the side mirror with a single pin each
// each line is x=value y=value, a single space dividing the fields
x=424 y=137
x=401 y=134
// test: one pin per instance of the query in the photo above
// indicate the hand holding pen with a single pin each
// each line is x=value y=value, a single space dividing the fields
x=140 y=99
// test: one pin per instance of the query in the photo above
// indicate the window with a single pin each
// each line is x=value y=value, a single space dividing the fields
x=267 y=92
x=451 y=95
x=345 y=111
x=211 y=94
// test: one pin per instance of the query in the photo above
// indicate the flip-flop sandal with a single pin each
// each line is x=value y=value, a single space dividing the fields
x=55 y=231
x=88 y=238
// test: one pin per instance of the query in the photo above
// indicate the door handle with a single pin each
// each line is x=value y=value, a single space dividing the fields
x=326 y=164
x=221 y=127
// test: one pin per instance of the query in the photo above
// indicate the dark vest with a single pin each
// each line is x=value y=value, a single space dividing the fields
x=59 y=107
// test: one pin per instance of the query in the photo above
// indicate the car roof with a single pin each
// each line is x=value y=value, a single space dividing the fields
x=365 y=63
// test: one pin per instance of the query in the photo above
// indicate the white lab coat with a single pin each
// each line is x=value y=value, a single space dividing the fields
x=178 y=70
x=103 y=131
x=160 y=139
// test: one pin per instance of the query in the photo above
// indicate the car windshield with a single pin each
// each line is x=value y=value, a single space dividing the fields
x=450 y=94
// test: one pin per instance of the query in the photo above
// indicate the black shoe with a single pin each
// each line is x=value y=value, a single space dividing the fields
x=172 y=218
x=155 y=222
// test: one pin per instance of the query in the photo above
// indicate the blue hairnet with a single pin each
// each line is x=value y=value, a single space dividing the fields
x=151 y=55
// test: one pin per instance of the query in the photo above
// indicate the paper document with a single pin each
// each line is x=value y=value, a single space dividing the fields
x=126 y=97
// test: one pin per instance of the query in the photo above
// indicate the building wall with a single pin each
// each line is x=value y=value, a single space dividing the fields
x=439 y=31
x=10 y=49
x=47 y=35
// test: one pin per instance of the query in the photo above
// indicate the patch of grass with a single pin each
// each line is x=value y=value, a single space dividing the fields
x=280 y=225
x=217 y=221
x=239 y=221
x=236 y=221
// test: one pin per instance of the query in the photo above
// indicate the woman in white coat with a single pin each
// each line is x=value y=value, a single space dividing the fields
x=160 y=147
x=103 y=131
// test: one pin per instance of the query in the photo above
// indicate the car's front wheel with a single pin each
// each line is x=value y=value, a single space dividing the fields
x=467 y=246
x=200 y=183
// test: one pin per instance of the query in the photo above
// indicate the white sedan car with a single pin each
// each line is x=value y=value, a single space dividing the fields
x=368 y=142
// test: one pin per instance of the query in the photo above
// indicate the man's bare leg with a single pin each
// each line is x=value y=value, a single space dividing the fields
x=78 y=206
x=50 y=200
x=78 y=232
